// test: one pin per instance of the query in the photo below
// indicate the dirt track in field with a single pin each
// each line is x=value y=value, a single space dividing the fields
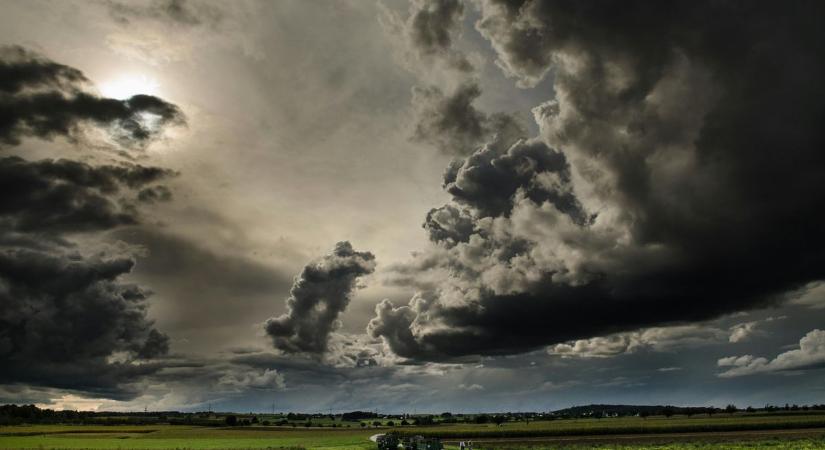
x=654 y=438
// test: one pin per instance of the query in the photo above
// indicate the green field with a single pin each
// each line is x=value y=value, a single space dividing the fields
x=172 y=437
x=625 y=425
x=787 y=431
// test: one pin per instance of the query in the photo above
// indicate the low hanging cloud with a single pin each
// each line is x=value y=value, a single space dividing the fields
x=64 y=316
x=641 y=203
x=68 y=320
x=318 y=296
x=809 y=355
x=43 y=99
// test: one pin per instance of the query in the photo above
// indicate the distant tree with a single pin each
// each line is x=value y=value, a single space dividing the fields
x=644 y=414
x=730 y=409
x=482 y=418
x=404 y=422
x=376 y=423
x=447 y=414
x=265 y=423
x=499 y=419
x=423 y=420
x=750 y=409
x=231 y=420
x=254 y=419
x=668 y=412
x=363 y=424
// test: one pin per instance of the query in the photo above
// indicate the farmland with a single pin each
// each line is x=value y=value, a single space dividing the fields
x=722 y=431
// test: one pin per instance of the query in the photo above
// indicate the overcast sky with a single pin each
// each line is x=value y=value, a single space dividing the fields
x=407 y=207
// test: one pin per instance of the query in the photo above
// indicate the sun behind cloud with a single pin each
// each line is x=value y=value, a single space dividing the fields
x=126 y=85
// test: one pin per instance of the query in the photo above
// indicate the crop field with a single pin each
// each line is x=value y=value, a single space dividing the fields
x=174 y=437
x=625 y=425
x=738 y=431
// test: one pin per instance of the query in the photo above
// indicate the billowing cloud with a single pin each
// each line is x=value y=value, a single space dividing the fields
x=642 y=203
x=488 y=180
x=429 y=32
x=65 y=195
x=318 y=296
x=44 y=99
x=67 y=318
x=66 y=321
x=453 y=125
x=809 y=355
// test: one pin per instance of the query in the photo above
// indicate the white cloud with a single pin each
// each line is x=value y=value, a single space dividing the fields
x=471 y=387
x=746 y=330
x=661 y=339
x=810 y=354
x=812 y=295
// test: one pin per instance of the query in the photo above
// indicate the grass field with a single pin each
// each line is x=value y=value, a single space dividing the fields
x=791 y=432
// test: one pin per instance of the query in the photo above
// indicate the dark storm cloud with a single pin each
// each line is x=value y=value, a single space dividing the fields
x=71 y=196
x=428 y=34
x=432 y=27
x=449 y=224
x=21 y=69
x=43 y=99
x=319 y=295
x=487 y=180
x=176 y=12
x=687 y=178
x=62 y=316
x=155 y=194
x=454 y=126
x=67 y=319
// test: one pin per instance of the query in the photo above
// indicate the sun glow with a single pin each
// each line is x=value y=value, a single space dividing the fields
x=72 y=402
x=128 y=85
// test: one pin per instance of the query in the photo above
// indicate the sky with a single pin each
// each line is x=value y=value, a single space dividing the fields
x=424 y=206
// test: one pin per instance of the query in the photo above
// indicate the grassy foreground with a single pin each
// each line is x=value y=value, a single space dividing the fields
x=613 y=433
